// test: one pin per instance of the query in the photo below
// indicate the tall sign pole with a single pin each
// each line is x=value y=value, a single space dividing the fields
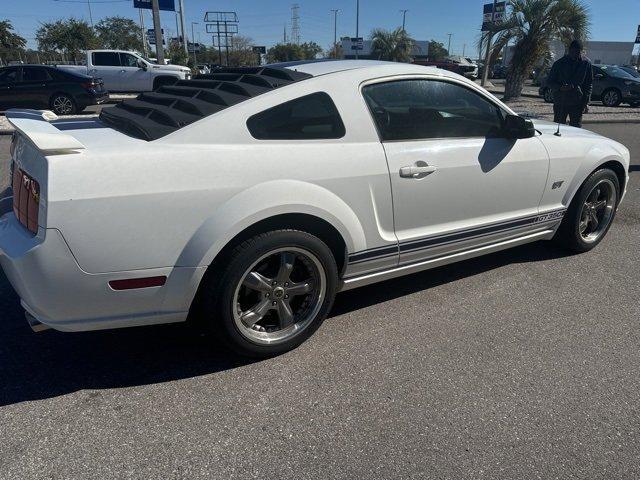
x=335 y=31
x=184 y=35
x=357 y=25
x=487 y=55
x=157 y=30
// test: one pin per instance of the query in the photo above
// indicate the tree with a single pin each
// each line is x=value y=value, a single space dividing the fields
x=533 y=24
x=436 y=51
x=393 y=45
x=311 y=50
x=119 y=33
x=287 y=52
x=241 y=53
x=176 y=53
x=335 y=51
x=11 y=44
x=69 y=37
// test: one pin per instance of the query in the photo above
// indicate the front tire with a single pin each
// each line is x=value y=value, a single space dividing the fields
x=270 y=293
x=63 y=104
x=590 y=213
x=548 y=95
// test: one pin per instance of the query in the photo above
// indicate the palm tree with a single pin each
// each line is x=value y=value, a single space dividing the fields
x=394 y=46
x=533 y=24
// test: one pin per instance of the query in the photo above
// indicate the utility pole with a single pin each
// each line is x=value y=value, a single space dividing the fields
x=157 y=30
x=487 y=55
x=335 y=31
x=449 y=47
x=184 y=34
x=284 y=35
x=464 y=49
x=357 y=26
x=404 y=18
x=142 y=34
x=193 y=43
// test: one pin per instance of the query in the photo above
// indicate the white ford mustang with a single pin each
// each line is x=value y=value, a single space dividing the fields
x=248 y=198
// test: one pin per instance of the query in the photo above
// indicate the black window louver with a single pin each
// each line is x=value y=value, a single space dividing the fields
x=152 y=115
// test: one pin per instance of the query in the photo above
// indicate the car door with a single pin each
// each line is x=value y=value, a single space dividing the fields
x=8 y=79
x=34 y=87
x=106 y=65
x=132 y=77
x=457 y=184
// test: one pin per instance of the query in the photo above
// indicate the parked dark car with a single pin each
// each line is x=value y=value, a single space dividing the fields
x=611 y=85
x=46 y=87
x=631 y=71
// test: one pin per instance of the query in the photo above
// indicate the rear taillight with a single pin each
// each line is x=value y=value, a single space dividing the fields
x=26 y=199
x=89 y=85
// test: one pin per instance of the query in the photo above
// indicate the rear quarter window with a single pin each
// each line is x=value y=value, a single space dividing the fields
x=312 y=117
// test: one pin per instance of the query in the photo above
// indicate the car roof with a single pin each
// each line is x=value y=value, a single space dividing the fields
x=328 y=66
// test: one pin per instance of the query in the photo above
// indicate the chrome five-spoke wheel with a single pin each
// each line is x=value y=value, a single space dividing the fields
x=597 y=210
x=279 y=295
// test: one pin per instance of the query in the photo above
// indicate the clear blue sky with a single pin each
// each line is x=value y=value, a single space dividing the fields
x=264 y=20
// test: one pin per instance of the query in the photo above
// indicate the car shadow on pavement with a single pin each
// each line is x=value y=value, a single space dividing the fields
x=48 y=364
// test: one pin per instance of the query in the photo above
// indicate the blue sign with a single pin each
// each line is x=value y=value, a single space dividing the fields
x=164 y=4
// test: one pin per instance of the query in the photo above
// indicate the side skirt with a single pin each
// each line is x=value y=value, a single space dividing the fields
x=380 y=276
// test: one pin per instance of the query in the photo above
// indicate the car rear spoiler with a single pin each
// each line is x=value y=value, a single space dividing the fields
x=34 y=124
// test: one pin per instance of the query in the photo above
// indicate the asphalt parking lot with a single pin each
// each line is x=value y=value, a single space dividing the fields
x=521 y=364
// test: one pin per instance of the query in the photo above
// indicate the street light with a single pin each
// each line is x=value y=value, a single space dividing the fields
x=193 y=43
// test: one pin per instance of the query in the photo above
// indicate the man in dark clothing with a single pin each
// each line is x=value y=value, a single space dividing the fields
x=571 y=81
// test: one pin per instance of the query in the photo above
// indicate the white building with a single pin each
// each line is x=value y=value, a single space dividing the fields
x=419 y=52
x=600 y=53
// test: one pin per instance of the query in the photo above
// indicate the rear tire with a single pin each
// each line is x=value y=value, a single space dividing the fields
x=63 y=104
x=590 y=213
x=611 y=97
x=270 y=293
x=548 y=95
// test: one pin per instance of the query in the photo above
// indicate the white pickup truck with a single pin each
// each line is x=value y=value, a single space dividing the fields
x=123 y=71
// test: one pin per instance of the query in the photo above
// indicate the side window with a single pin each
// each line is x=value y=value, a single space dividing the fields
x=310 y=117
x=128 y=60
x=34 y=74
x=8 y=75
x=106 y=59
x=423 y=109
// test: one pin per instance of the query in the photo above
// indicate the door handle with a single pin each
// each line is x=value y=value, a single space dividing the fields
x=419 y=170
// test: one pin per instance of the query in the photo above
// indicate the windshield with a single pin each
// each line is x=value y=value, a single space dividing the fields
x=615 y=71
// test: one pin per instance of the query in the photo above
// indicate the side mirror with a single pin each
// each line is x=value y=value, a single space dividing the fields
x=518 y=127
x=142 y=65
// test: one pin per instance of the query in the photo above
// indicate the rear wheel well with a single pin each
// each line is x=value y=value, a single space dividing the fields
x=290 y=221
x=295 y=221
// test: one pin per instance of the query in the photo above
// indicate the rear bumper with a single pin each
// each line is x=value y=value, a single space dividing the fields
x=93 y=98
x=58 y=293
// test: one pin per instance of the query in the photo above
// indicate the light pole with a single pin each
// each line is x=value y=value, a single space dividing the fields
x=449 y=46
x=404 y=17
x=335 y=31
x=357 y=26
x=157 y=32
x=193 y=41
